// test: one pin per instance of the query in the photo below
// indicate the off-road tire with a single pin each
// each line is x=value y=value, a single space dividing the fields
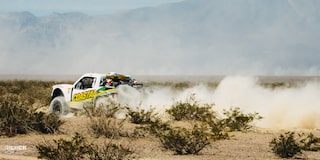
x=59 y=106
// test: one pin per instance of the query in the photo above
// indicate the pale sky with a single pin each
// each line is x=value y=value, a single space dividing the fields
x=90 y=7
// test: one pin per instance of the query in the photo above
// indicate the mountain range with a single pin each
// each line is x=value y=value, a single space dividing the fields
x=188 y=37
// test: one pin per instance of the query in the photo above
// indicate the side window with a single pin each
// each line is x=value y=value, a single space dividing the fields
x=85 y=83
x=103 y=81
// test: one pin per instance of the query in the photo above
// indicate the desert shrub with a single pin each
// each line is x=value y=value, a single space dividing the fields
x=213 y=85
x=285 y=145
x=182 y=85
x=275 y=85
x=289 y=144
x=237 y=121
x=16 y=118
x=2 y=90
x=217 y=128
x=44 y=123
x=180 y=140
x=109 y=151
x=31 y=91
x=156 y=127
x=141 y=116
x=191 y=110
x=73 y=149
x=78 y=148
x=309 y=142
x=183 y=141
x=13 y=116
x=106 y=109
x=234 y=119
x=139 y=132
x=108 y=127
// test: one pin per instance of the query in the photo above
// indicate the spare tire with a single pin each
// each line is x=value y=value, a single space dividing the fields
x=59 y=106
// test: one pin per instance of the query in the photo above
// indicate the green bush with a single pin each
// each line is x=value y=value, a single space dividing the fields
x=183 y=141
x=217 y=129
x=180 y=140
x=44 y=123
x=156 y=127
x=78 y=148
x=191 y=110
x=309 y=142
x=234 y=119
x=275 y=85
x=74 y=149
x=288 y=145
x=16 y=118
x=182 y=85
x=141 y=116
x=237 y=121
x=285 y=145
x=13 y=116
x=107 y=109
x=109 y=151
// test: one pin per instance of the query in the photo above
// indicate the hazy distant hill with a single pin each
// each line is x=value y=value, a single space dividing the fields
x=43 y=30
x=204 y=36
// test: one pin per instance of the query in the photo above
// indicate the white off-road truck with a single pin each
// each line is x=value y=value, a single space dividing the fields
x=90 y=87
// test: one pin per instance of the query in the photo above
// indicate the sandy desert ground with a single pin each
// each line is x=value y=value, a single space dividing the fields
x=249 y=145
x=253 y=144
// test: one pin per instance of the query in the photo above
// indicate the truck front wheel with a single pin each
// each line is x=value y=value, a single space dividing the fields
x=59 y=106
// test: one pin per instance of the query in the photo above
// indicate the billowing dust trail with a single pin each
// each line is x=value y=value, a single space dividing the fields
x=282 y=108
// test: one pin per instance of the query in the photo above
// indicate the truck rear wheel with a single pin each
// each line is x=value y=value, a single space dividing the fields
x=59 y=106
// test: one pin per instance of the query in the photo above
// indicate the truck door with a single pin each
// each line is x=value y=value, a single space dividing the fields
x=83 y=89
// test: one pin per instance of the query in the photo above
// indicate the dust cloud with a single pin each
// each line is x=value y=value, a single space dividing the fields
x=296 y=107
x=281 y=107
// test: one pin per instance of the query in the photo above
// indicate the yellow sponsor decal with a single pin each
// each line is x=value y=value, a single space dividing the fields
x=105 y=91
x=83 y=95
